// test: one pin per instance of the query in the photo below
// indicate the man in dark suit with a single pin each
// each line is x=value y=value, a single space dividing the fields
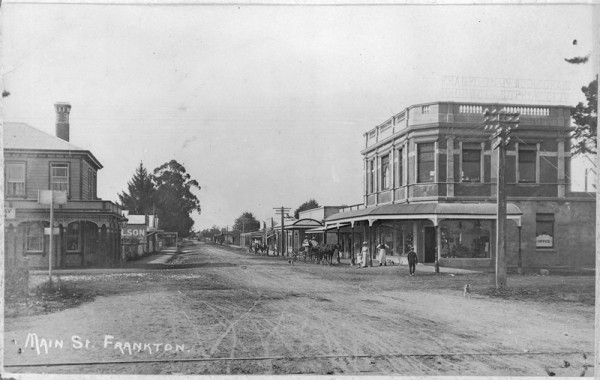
x=412 y=261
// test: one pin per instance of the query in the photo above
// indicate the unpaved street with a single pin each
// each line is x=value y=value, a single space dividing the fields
x=228 y=312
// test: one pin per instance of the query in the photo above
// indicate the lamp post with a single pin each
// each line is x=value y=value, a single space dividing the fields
x=501 y=123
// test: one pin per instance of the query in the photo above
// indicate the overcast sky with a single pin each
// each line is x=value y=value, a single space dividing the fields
x=266 y=105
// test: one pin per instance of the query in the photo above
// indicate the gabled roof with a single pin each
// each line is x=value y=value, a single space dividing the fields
x=21 y=136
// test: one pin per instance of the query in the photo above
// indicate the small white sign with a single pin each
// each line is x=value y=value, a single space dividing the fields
x=10 y=213
x=58 y=197
x=47 y=231
x=544 y=241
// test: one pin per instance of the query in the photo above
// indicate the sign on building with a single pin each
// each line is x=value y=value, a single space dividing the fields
x=10 y=213
x=133 y=231
x=544 y=241
x=58 y=197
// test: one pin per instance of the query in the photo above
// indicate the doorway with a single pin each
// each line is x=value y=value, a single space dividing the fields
x=430 y=245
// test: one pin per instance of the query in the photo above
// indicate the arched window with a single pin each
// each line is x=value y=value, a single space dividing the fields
x=73 y=237
x=35 y=238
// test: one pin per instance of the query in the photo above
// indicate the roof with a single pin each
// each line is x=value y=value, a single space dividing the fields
x=303 y=224
x=25 y=137
x=417 y=210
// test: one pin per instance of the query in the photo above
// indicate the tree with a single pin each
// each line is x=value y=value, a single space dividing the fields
x=139 y=199
x=209 y=233
x=174 y=197
x=246 y=223
x=310 y=204
x=585 y=136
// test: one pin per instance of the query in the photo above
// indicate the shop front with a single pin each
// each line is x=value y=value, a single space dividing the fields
x=453 y=234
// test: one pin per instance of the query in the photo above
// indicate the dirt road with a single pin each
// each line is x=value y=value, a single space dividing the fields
x=235 y=313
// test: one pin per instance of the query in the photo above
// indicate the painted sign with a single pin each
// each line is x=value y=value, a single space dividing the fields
x=10 y=213
x=544 y=241
x=47 y=231
x=58 y=197
x=135 y=231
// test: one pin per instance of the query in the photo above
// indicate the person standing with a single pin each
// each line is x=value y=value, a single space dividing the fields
x=383 y=253
x=364 y=253
x=412 y=261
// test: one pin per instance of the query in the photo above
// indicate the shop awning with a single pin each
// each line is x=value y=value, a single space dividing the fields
x=326 y=228
x=303 y=224
x=431 y=211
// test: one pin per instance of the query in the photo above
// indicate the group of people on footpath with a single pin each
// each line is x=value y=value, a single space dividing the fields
x=383 y=248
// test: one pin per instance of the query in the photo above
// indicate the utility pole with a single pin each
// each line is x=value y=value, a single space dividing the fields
x=282 y=211
x=501 y=123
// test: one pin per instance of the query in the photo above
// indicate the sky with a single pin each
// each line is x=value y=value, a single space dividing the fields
x=266 y=106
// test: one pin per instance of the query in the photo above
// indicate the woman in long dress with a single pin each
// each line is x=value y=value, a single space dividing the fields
x=365 y=253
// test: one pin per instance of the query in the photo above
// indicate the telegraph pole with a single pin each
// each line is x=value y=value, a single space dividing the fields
x=282 y=211
x=501 y=122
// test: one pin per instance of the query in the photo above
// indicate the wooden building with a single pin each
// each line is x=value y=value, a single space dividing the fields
x=89 y=228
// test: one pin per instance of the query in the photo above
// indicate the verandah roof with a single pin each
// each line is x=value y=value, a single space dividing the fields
x=425 y=211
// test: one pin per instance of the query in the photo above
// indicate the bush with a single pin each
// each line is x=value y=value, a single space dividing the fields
x=16 y=281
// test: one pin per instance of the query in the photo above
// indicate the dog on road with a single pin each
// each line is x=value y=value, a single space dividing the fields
x=467 y=291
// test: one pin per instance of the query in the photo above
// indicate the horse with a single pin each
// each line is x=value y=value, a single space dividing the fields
x=326 y=252
x=263 y=248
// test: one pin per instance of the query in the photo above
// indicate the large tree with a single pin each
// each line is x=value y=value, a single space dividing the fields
x=310 y=204
x=246 y=223
x=585 y=136
x=174 y=198
x=139 y=197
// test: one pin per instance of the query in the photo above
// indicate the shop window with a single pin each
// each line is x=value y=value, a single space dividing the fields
x=527 y=164
x=35 y=238
x=426 y=162
x=471 y=165
x=466 y=239
x=544 y=230
x=74 y=237
x=15 y=179
x=59 y=177
x=385 y=172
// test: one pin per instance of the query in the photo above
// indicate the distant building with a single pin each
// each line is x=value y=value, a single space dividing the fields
x=430 y=184
x=140 y=236
x=89 y=229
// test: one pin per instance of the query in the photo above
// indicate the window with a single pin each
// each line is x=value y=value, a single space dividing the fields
x=94 y=185
x=371 y=174
x=59 y=177
x=471 y=165
x=527 y=158
x=35 y=238
x=385 y=172
x=73 y=237
x=91 y=184
x=426 y=162
x=15 y=179
x=400 y=167
x=469 y=238
x=544 y=230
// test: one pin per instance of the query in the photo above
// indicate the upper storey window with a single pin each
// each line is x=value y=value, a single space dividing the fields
x=59 y=177
x=471 y=164
x=426 y=162
x=371 y=176
x=527 y=163
x=385 y=172
x=15 y=179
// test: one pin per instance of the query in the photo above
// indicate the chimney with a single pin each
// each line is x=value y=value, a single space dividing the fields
x=62 y=120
